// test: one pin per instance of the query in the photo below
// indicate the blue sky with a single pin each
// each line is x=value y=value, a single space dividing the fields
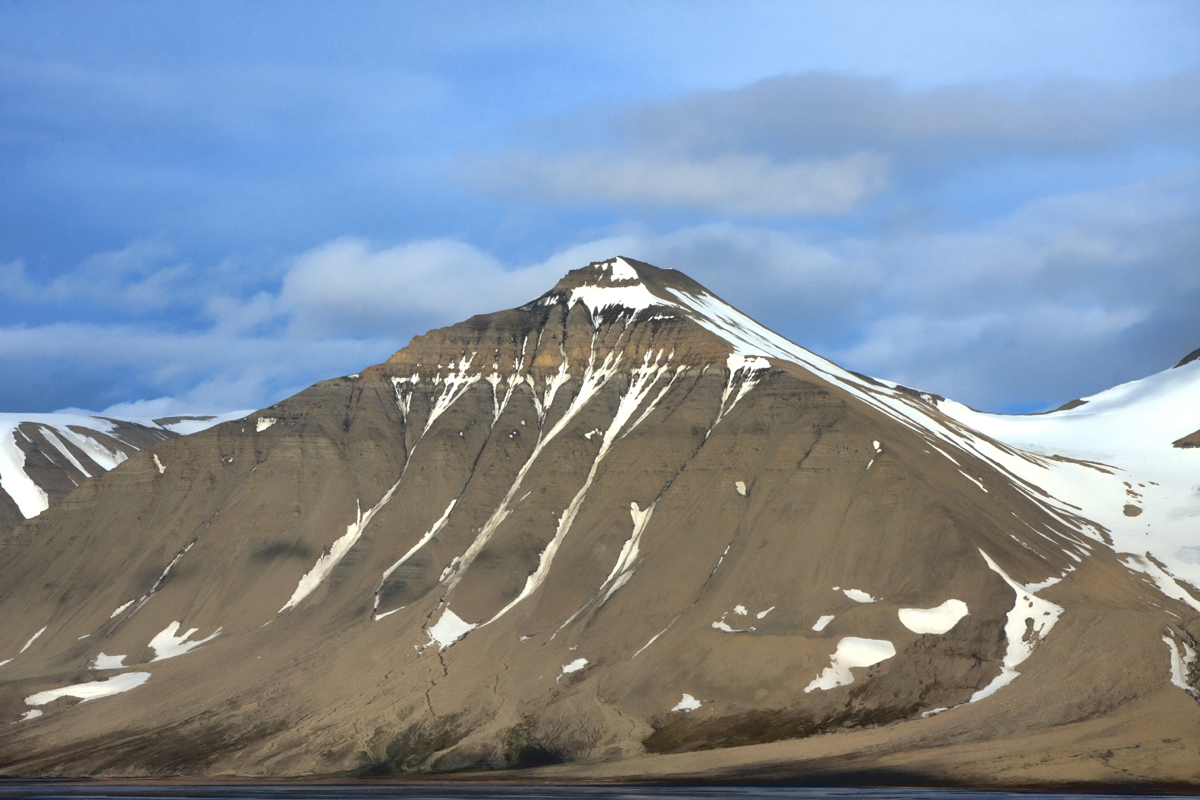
x=209 y=206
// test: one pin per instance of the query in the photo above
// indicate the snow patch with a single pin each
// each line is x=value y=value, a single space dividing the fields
x=722 y=625
x=264 y=423
x=168 y=644
x=91 y=690
x=622 y=270
x=741 y=487
x=859 y=596
x=574 y=666
x=53 y=439
x=108 y=662
x=688 y=703
x=628 y=298
x=933 y=620
x=972 y=480
x=851 y=652
x=159 y=464
x=30 y=498
x=448 y=630
x=762 y=614
x=32 y=713
x=822 y=621
x=1165 y=581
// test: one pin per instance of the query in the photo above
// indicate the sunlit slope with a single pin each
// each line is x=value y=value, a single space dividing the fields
x=621 y=519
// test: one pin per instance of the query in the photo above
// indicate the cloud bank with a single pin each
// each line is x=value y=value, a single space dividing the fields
x=998 y=203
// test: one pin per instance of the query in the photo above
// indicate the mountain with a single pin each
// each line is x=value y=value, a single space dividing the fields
x=45 y=456
x=622 y=532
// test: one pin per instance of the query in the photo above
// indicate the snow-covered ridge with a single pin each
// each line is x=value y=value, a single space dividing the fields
x=103 y=440
x=1149 y=498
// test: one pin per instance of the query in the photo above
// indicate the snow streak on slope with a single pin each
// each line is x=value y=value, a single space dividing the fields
x=437 y=526
x=641 y=381
x=1029 y=620
x=325 y=564
x=92 y=689
x=622 y=571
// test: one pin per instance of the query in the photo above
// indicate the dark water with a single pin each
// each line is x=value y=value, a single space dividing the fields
x=109 y=792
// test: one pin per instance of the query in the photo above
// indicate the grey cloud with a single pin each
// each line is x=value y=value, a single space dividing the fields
x=832 y=115
x=728 y=183
x=822 y=143
x=140 y=278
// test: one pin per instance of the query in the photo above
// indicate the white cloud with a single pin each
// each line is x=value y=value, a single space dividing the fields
x=1062 y=297
x=351 y=287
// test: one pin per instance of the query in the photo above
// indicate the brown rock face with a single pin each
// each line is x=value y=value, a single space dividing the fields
x=1191 y=440
x=619 y=520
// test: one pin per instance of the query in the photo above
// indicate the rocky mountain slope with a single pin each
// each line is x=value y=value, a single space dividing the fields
x=43 y=457
x=610 y=528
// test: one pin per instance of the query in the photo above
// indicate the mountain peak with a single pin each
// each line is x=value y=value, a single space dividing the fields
x=619 y=282
x=1189 y=358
